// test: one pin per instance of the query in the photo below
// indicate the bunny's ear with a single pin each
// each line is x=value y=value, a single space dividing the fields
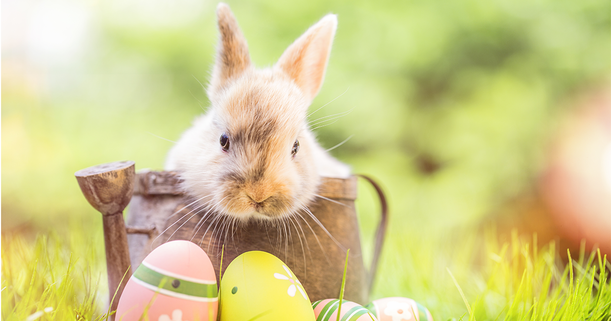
x=305 y=61
x=232 y=56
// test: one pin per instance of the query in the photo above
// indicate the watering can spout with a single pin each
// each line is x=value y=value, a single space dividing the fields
x=109 y=188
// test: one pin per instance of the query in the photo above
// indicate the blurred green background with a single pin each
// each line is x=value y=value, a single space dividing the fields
x=453 y=103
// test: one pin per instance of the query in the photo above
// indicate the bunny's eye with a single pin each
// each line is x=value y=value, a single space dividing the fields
x=295 y=148
x=224 y=142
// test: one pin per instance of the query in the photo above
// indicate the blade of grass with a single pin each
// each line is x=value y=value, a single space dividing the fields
x=462 y=294
x=218 y=294
x=114 y=296
x=341 y=290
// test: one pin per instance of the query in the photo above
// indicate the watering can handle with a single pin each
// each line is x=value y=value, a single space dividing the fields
x=380 y=232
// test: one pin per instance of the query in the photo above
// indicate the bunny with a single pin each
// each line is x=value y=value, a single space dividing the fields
x=253 y=155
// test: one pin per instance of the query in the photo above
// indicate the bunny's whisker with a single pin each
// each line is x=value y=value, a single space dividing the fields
x=324 y=229
x=315 y=236
x=284 y=235
x=171 y=141
x=289 y=240
x=220 y=230
x=223 y=231
x=340 y=144
x=290 y=218
x=184 y=207
x=199 y=103
x=334 y=99
x=302 y=231
x=214 y=222
x=213 y=209
x=234 y=226
x=228 y=228
x=203 y=219
x=185 y=222
x=200 y=83
x=213 y=225
x=321 y=126
x=178 y=220
x=201 y=222
x=210 y=208
x=332 y=116
x=199 y=225
x=330 y=200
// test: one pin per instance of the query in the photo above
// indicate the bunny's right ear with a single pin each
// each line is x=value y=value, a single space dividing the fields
x=305 y=61
x=232 y=56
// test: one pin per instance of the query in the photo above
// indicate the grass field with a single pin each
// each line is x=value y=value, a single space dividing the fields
x=60 y=276
x=454 y=106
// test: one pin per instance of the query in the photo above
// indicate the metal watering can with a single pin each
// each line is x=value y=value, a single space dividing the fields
x=314 y=247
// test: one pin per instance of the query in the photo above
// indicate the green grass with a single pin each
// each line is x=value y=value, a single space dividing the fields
x=461 y=278
x=52 y=277
x=479 y=278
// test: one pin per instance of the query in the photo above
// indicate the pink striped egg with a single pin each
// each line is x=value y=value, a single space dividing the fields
x=399 y=309
x=176 y=281
x=326 y=310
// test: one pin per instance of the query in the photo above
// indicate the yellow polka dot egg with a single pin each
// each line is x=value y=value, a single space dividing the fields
x=259 y=286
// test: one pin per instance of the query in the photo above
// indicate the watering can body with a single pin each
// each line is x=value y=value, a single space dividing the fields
x=312 y=245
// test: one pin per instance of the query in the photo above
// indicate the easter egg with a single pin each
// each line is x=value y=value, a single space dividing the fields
x=399 y=309
x=175 y=282
x=326 y=310
x=259 y=286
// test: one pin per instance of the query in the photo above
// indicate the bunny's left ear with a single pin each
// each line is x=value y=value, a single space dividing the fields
x=305 y=61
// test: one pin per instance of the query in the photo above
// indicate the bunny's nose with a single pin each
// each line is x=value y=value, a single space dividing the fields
x=258 y=197
x=259 y=192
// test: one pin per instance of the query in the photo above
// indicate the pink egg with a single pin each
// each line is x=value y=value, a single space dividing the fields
x=326 y=310
x=175 y=282
x=399 y=309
